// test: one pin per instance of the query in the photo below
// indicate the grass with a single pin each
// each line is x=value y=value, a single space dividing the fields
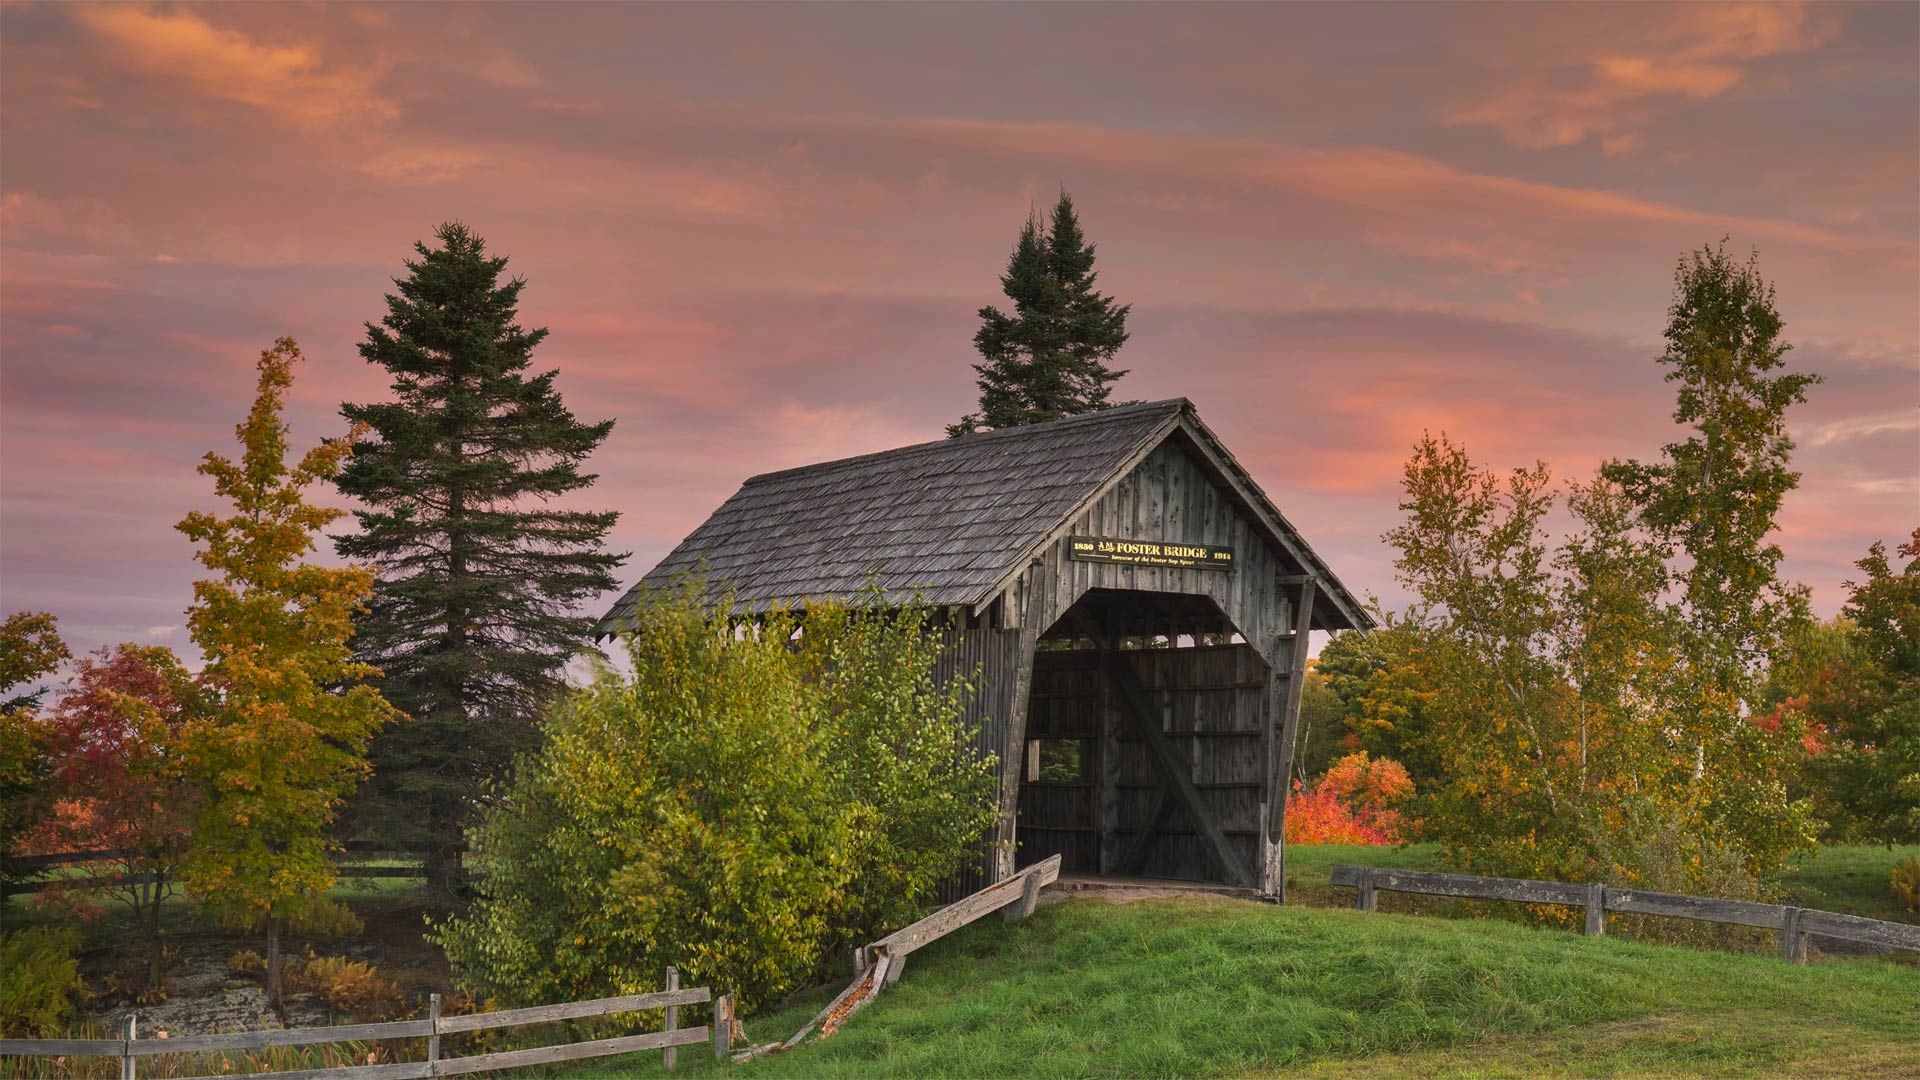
x=1229 y=988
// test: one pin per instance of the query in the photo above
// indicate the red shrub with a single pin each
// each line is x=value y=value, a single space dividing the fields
x=1354 y=803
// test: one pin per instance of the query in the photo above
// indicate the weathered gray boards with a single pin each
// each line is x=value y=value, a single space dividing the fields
x=1136 y=609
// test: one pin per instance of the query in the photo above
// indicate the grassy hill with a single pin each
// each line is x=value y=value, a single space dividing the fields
x=1211 y=987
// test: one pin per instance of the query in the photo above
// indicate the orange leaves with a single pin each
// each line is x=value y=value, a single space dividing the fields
x=1354 y=803
x=280 y=747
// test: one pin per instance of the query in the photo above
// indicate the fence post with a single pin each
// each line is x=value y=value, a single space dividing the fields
x=1596 y=909
x=126 y=1049
x=1029 y=898
x=1364 y=899
x=723 y=1026
x=673 y=1015
x=1793 y=943
x=433 y=1032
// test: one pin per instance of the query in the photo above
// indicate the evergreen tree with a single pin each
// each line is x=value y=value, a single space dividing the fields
x=480 y=575
x=1049 y=358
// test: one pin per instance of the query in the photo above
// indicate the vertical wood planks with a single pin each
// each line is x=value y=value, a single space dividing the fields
x=667 y=1056
x=126 y=1058
x=1274 y=869
x=1596 y=910
x=1793 y=942
x=433 y=1017
x=723 y=1026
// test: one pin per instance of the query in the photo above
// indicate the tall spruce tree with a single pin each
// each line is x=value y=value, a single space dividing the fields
x=476 y=607
x=1049 y=358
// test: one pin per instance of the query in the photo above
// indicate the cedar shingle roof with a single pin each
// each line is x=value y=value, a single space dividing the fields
x=946 y=520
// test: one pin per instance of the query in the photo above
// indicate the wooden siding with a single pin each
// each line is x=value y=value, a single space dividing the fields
x=997 y=661
x=1167 y=497
x=1212 y=702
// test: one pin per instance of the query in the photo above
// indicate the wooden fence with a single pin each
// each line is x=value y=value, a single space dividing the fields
x=349 y=865
x=879 y=965
x=1793 y=924
x=130 y=1048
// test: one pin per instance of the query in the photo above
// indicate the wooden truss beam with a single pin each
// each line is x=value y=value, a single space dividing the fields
x=1273 y=861
x=1135 y=702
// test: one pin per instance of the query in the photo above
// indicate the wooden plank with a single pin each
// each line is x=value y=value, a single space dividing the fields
x=670 y=1055
x=1366 y=897
x=540 y=1014
x=1134 y=700
x=63 y=1047
x=1273 y=868
x=433 y=1017
x=546 y=1055
x=1023 y=907
x=1891 y=935
x=1466 y=886
x=1793 y=943
x=401 y=1070
x=1698 y=908
x=1596 y=924
x=980 y=904
x=723 y=1027
x=260 y=1040
x=1141 y=846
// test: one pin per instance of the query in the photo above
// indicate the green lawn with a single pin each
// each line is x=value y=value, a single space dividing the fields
x=1211 y=987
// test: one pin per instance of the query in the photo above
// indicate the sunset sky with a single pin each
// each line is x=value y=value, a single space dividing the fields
x=759 y=236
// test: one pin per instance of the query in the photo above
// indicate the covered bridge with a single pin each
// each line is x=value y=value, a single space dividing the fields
x=1136 y=607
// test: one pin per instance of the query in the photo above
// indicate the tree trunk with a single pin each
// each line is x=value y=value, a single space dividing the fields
x=273 y=961
x=444 y=872
x=156 y=947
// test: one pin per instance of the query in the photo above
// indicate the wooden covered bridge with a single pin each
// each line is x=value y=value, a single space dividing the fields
x=1136 y=607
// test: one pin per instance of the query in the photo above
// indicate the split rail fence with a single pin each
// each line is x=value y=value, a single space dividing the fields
x=357 y=861
x=130 y=1048
x=1793 y=924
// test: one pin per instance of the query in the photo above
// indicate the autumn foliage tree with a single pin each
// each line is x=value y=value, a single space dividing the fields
x=30 y=649
x=284 y=738
x=1556 y=693
x=122 y=786
x=1853 y=685
x=1358 y=800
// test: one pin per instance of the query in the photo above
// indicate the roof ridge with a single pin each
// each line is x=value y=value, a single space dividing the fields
x=1028 y=430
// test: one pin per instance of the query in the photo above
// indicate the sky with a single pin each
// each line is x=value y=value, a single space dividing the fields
x=760 y=235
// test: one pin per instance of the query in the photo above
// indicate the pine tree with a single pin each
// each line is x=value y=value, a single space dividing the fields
x=480 y=576
x=1049 y=358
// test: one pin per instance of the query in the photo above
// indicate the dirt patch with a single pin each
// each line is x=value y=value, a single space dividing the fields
x=205 y=997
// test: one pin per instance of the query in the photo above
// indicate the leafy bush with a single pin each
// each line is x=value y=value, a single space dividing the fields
x=742 y=804
x=248 y=964
x=354 y=988
x=1905 y=883
x=40 y=986
x=1354 y=803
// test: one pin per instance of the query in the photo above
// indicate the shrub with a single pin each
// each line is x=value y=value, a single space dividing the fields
x=1354 y=803
x=1905 y=883
x=248 y=964
x=354 y=988
x=739 y=805
x=40 y=986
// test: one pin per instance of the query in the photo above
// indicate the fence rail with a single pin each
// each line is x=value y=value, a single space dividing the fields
x=130 y=1048
x=1793 y=924
x=351 y=864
